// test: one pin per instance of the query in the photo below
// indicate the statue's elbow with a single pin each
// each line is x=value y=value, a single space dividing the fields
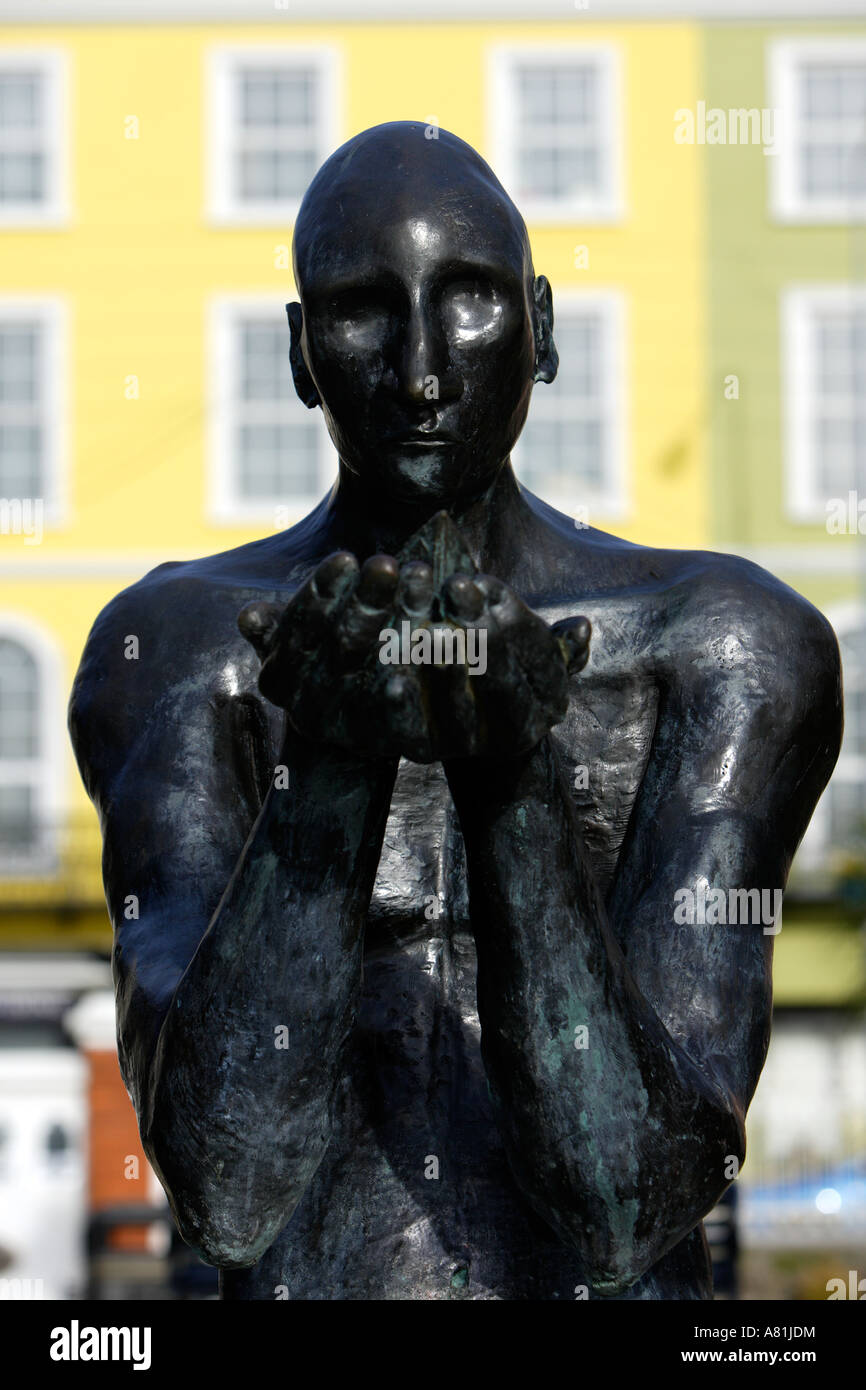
x=613 y=1271
x=221 y=1237
x=225 y=1220
x=611 y=1260
x=615 y=1248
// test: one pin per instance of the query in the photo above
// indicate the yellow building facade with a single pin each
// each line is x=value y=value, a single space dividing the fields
x=146 y=274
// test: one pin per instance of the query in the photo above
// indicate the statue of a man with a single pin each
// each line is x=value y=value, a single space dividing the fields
x=407 y=1005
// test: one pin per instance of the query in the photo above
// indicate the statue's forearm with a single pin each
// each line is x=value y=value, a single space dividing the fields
x=237 y=1112
x=598 y=1106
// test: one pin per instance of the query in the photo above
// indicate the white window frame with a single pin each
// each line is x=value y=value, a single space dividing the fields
x=613 y=503
x=786 y=203
x=798 y=304
x=502 y=62
x=54 y=317
x=225 y=505
x=44 y=773
x=54 y=210
x=220 y=124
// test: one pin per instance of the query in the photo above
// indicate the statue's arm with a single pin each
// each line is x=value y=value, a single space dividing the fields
x=238 y=935
x=624 y=1143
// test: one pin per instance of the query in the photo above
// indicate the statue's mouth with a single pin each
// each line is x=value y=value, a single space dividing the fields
x=426 y=440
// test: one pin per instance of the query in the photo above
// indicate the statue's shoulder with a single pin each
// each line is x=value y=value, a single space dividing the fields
x=722 y=597
x=701 y=614
x=198 y=600
x=164 y=644
x=729 y=625
x=698 y=596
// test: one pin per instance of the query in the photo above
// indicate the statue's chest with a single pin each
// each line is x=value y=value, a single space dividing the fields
x=604 y=744
x=606 y=741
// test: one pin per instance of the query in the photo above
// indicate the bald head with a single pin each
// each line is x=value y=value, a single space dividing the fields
x=393 y=173
x=421 y=326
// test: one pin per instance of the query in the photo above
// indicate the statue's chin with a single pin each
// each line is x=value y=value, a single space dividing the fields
x=426 y=473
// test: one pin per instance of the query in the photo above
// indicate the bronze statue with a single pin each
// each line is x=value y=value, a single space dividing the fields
x=407 y=1005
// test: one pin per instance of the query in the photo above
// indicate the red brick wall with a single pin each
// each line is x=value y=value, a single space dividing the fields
x=113 y=1139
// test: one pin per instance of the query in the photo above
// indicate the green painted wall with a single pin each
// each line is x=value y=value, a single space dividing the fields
x=750 y=259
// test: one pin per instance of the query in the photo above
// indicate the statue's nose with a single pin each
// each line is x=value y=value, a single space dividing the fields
x=424 y=371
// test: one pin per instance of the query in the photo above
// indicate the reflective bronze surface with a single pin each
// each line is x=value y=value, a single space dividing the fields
x=403 y=1002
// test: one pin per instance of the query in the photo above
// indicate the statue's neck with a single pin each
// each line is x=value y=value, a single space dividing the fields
x=368 y=524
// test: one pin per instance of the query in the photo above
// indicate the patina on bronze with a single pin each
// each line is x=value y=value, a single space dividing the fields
x=422 y=1023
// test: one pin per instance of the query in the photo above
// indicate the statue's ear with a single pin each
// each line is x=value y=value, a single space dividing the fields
x=546 y=356
x=304 y=384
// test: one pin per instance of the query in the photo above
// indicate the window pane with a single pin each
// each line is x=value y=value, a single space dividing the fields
x=277 y=461
x=265 y=374
x=833 y=91
x=540 y=453
x=839 y=420
x=277 y=97
x=276 y=444
x=276 y=149
x=837 y=170
x=555 y=172
x=855 y=716
x=565 y=450
x=18 y=830
x=853 y=648
x=832 y=154
x=563 y=457
x=19 y=701
x=579 y=343
x=838 y=457
x=21 y=461
x=22 y=177
x=20 y=351
x=20 y=101
x=275 y=175
x=847 y=790
x=560 y=152
x=847 y=810
x=557 y=95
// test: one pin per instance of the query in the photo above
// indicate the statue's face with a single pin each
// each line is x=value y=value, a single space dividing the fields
x=419 y=335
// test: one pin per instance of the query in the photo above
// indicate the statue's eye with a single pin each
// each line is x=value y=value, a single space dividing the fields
x=472 y=305
x=357 y=305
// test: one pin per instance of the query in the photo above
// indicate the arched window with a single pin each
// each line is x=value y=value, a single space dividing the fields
x=28 y=751
x=19 y=748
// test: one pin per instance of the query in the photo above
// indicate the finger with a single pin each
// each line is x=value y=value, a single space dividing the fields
x=531 y=661
x=496 y=594
x=415 y=591
x=287 y=647
x=327 y=588
x=573 y=635
x=451 y=709
x=258 y=621
x=333 y=578
x=463 y=598
x=367 y=610
x=404 y=720
x=505 y=616
x=378 y=582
